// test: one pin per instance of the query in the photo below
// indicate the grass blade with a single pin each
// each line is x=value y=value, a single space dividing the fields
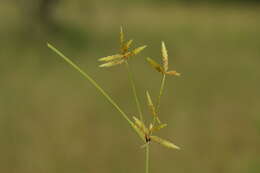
x=94 y=83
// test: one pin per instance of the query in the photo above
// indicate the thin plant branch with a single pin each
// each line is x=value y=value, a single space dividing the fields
x=160 y=93
x=131 y=79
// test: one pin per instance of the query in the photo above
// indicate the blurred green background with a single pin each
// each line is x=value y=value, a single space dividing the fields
x=52 y=120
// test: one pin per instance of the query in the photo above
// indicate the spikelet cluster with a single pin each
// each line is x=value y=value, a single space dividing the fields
x=146 y=132
x=124 y=52
x=163 y=68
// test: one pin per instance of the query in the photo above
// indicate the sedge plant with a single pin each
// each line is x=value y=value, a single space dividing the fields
x=144 y=130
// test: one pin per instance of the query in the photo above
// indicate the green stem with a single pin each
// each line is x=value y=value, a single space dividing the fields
x=94 y=83
x=147 y=159
x=160 y=94
x=134 y=91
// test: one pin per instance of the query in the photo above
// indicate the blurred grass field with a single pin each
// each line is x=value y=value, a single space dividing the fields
x=51 y=120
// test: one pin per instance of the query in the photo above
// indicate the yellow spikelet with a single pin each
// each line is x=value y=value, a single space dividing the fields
x=127 y=45
x=150 y=103
x=164 y=57
x=151 y=107
x=121 y=36
x=112 y=63
x=173 y=73
x=159 y=127
x=155 y=65
x=163 y=142
x=139 y=131
x=138 y=50
x=110 y=58
x=151 y=126
x=141 y=125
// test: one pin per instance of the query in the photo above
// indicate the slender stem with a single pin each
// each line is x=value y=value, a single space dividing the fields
x=160 y=94
x=134 y=91
x=147 y=159
x=93 y=82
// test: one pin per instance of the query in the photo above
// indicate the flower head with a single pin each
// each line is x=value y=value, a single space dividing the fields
x=146 y=132
x=124 y=53
x=163 y=68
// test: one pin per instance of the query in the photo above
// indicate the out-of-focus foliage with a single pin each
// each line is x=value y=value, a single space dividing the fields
x=205 y=1
x=52 y=121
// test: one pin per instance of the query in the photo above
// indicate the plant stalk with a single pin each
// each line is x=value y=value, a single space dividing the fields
x=160 y=94
x=134 y=91
x=147 y=159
